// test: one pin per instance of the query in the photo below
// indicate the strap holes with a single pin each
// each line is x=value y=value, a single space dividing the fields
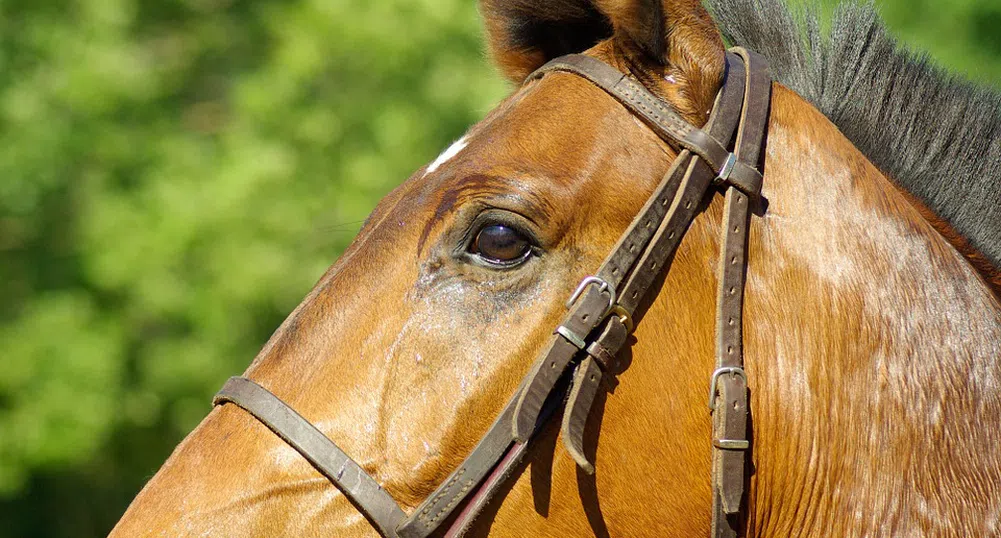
x=670 y=235
x=634 y=294
x=632 y=247
x=592 y=377
x=647 y=224
x=729 y=350
x=584 y=317
x=736 y=229
x=653 y=266
x=733 y=291
x=688 y=204
x=663 y=202
x=733 y=260
x=615 y=270
x=552 y=364
x=731 y=322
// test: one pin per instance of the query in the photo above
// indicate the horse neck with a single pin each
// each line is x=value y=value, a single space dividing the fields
x=872 y=350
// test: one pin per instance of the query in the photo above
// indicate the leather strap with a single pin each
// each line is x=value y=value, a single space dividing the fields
x=547 y=370
x=430 y=514
x=512 y=458
x=363 y=491
x=728 y=385
x=357 y=485
x=657 y=113
x=497 y=448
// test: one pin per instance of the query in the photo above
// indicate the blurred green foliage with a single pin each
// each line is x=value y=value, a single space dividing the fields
x=174 y=176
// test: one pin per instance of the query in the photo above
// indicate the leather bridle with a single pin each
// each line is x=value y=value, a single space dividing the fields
x=599 y=321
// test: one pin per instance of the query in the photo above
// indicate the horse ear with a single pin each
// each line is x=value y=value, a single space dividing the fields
x=524 y=34
x=675 y=39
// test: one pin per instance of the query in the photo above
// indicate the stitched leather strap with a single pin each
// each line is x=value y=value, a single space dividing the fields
x=729 y=401
x=360 y=488
x=495 y=457
x=512 y=458
x=657 y=113
x=547 y=370
x=430 y=514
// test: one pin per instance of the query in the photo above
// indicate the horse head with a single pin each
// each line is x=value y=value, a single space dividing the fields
x=411 y=344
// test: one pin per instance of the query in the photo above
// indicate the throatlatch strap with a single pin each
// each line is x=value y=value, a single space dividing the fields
x=360 y=488
x=728 y=385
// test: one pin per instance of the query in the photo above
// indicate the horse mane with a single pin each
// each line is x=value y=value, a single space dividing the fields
x=934 y=133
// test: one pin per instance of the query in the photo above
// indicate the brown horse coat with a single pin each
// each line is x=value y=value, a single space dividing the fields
x=872 y=345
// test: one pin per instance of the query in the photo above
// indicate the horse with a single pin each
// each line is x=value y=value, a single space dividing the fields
x=871 y=315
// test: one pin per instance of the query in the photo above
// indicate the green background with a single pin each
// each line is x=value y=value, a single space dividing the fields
x=174 y=176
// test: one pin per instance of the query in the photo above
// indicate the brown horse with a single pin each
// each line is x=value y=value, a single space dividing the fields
x=872 y=344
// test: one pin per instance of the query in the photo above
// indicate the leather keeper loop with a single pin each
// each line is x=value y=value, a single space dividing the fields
x=605 y=348
x=745 y=179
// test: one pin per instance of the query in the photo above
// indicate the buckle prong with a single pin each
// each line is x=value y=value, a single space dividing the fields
x=623 y=316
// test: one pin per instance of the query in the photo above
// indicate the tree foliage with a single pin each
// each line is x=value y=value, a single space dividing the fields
x=174 y=176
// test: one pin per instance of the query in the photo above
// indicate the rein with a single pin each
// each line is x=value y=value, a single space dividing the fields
x=599 y=321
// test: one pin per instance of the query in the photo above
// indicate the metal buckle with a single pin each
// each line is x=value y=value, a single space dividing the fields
x=735 y=371
x=602 y=286
x=612 y=308
x=726 y=169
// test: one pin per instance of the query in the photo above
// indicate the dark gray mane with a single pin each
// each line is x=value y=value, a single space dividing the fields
x=936 y=134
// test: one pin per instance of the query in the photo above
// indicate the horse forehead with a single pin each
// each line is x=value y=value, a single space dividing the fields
x=544 y=132
x=540 y=145
x=561 y=110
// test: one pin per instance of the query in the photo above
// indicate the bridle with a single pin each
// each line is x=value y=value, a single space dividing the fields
x=599 y=320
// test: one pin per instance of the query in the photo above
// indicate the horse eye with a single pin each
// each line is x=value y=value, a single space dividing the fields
x=501 y=244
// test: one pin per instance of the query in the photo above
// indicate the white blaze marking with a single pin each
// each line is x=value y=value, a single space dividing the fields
x=452 y=151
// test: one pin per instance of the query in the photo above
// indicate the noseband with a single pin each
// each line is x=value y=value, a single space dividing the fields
x=599 y=321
